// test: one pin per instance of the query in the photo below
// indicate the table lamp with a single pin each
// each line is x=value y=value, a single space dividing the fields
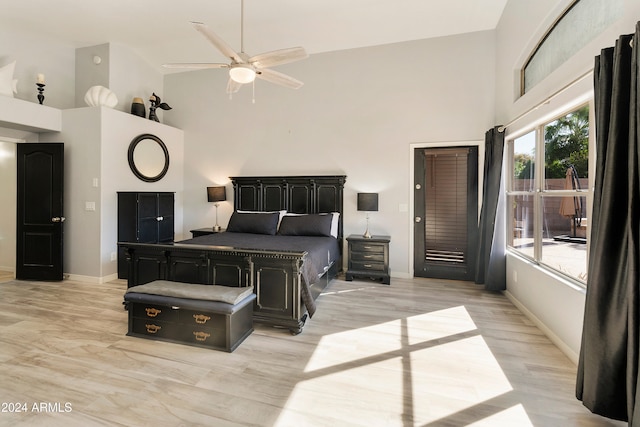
x=367 y=202
x=216 y=195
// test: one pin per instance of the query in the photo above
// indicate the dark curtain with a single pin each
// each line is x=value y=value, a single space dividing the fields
x=607 y=378
x=491 y=261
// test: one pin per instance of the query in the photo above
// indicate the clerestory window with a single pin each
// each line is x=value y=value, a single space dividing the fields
x=577 y=26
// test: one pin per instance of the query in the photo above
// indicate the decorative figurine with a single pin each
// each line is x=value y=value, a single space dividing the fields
x=156 y=102
x=41 y=85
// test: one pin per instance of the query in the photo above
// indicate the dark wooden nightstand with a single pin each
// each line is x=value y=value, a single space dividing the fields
x=368 y=257
x=204 y=231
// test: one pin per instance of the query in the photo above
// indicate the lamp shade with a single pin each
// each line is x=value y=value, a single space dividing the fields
x=368 y=201
x=216 y=194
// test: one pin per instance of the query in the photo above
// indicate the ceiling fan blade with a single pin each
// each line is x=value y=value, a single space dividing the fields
x=233 y=86
x=220 y=44
x=278 y=57
x=197 y=65
x=279 y=78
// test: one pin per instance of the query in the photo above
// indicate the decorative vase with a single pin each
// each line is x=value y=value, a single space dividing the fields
x=137 y=107
x=100 y=96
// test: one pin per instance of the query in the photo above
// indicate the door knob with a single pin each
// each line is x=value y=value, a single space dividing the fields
x=58 y=219
x=418 y=219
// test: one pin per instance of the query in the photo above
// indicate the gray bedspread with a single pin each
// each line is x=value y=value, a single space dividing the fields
x=322 y=252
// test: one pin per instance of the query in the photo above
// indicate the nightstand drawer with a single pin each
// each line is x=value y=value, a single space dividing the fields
x=367 y=266
x=367 y=256
x=367 y=247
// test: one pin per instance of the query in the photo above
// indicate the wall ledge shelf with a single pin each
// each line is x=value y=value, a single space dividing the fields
x=29 y=116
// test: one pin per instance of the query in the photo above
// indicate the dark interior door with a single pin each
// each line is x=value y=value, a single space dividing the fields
x=39 y=230
x=446 y=212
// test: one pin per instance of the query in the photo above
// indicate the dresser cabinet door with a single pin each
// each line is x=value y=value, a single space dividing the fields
x=147 y=218
x=144 y=217
x=165 y=212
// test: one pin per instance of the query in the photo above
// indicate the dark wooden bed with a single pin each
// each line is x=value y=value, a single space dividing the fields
x=285 y=289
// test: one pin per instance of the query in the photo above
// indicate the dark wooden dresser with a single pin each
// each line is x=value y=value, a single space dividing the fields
x=368 y=258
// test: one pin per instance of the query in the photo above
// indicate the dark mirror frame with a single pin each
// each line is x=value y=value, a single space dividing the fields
x=134 y=168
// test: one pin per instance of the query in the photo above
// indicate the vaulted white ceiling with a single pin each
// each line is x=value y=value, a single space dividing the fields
x=159 y=30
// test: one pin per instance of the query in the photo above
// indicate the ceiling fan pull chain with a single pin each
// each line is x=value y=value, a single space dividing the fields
x=253 y=90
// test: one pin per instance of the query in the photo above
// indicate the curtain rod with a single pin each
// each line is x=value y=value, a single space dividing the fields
x=547 y=100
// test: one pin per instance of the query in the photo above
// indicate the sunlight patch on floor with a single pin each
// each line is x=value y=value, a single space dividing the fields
x=439 y=324
x=442 y=366
x=369 y=390
x=372 y=341
x=453 y=377
x=514 y=416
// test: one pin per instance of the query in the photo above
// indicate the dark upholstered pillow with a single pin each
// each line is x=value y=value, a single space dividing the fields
x=255 y=223
x=306 y=225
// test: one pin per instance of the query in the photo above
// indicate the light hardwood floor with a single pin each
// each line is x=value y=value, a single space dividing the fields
x=417 y=353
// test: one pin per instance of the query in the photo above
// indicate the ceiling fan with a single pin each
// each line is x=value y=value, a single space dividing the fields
x=243 y=68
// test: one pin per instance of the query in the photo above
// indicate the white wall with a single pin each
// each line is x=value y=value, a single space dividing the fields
x=96 y=144
x=33 y=55
x=555 y=305
x=8 y=196
x=120 y=70
x=88 y=73
x=118 y=130
x=130 y=77
x=357 y=114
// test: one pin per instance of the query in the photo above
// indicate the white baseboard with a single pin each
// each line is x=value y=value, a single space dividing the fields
x=401 y=275
x=573 y=356
x=91 y=279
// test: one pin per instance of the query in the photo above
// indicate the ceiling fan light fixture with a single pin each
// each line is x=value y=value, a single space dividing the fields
x=242 y=74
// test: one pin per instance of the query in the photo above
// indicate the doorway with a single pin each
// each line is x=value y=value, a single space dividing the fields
x=445 y=212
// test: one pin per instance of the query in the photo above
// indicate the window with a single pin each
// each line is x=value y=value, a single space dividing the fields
x=580 y=23
x=548 y=192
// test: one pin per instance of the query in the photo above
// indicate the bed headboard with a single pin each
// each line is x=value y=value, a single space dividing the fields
x=296 y=194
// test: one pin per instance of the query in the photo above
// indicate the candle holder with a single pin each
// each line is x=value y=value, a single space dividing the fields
x=40 y=92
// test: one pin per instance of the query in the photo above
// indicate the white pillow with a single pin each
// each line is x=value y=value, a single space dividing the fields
x=8 y=86
x=334 y=224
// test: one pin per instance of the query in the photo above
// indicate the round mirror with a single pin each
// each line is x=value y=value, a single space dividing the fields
x=148 y=157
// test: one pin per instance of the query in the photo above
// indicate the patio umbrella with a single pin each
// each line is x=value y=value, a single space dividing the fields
x=571 y=206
